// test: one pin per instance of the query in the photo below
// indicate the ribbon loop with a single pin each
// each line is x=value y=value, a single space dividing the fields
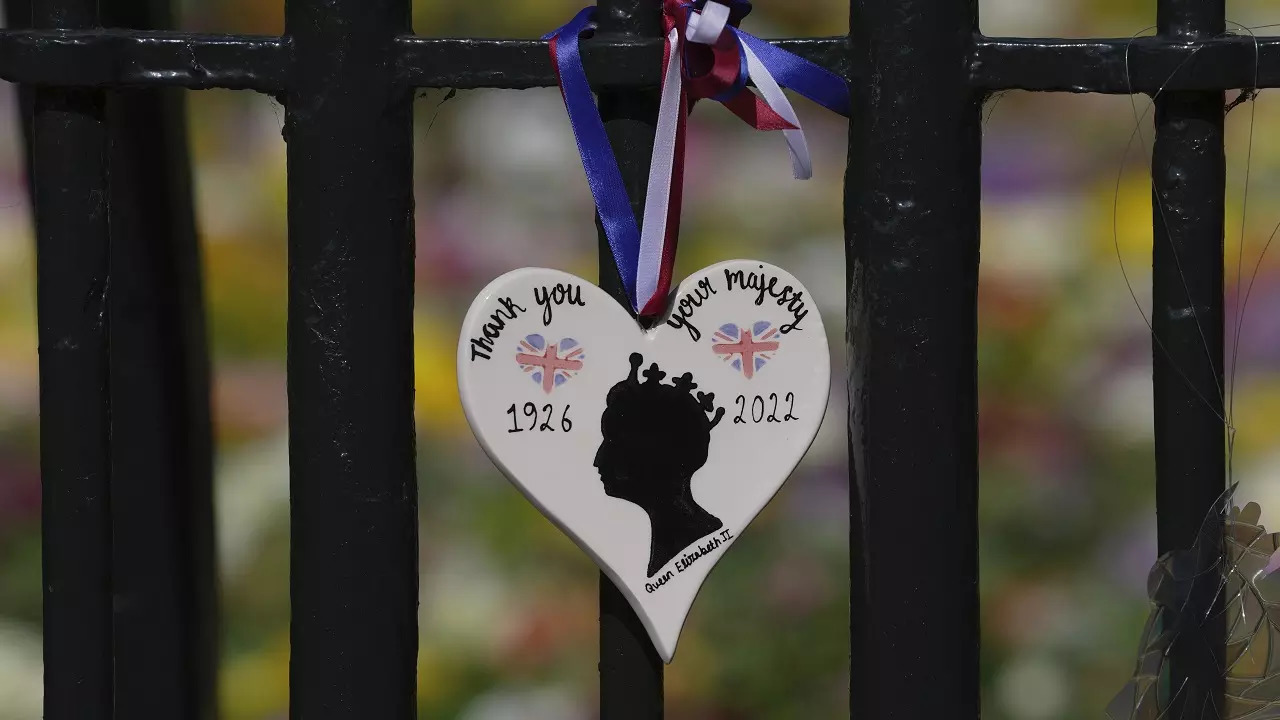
x=705 y=27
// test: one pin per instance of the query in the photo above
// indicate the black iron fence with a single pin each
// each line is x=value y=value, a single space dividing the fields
x=128 y=567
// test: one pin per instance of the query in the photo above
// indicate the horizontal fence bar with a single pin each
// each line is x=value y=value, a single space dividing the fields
x=120 y=58
x=614 y=61
x=129 y=58
x=144 y=58
x=1119 y=66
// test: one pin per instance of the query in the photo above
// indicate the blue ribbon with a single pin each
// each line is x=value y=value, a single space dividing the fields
x=603 y=175
x=791 y=71
x=795 y=73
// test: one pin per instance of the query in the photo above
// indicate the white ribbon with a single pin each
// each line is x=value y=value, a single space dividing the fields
x=657 y=203
x=705 y=27
x=801 y=162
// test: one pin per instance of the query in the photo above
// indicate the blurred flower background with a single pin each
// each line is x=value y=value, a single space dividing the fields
x=508 y=604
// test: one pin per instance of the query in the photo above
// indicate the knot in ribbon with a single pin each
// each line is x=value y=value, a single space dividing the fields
x=705 y=56
x=717 y=66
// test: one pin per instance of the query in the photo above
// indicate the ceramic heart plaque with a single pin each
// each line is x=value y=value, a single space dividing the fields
x=652 y=449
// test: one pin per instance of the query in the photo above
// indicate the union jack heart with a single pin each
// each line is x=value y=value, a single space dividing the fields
x=747 y=347
x=550 y=364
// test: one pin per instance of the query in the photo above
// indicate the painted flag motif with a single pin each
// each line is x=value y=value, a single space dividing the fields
x=746 y=347
x=549 y=364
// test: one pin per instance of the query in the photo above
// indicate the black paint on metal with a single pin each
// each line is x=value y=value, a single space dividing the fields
x=611 y=60
x=354 y=571
x=69 y=147
x=1189 y=181
x=1122 y=65
x=127 y=58
x=911 y=202
x=631 y=672
x=135 y=58
x=162 y=480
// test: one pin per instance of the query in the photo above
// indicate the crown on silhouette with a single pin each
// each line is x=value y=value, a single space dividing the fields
x=674 y=400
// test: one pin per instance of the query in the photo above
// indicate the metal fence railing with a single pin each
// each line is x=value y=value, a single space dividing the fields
x=129 y=621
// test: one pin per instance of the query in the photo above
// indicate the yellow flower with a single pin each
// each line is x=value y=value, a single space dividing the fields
x=1123 y=218
x=439 y=409
x=256 y=686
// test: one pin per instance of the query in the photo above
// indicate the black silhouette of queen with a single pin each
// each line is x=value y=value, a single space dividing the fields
x=655 y=438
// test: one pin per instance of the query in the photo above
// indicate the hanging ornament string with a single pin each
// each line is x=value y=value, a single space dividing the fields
x=706 y=56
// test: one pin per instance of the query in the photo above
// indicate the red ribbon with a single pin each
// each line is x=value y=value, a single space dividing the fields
x=718 y=72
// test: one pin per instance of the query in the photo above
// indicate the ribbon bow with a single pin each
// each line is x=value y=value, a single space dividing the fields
x=706 y=56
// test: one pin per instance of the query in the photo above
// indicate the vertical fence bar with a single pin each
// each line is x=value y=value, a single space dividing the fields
x=351 y=435
x=911 y=214
x=162 y=485
x=1188 y=173
x=631 y=672
x=69 y=150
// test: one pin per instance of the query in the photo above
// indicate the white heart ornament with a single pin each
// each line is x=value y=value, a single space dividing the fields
x=653 y=450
